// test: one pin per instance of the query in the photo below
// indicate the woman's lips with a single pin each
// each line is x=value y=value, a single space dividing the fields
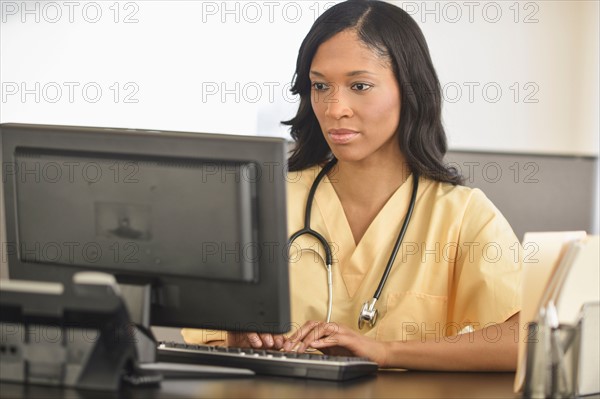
x=341 y=136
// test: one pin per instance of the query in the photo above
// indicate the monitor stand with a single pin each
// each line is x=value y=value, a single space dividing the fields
x=137 y=301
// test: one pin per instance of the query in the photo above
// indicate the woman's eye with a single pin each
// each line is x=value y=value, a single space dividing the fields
x=362 y=86
x=319 y=86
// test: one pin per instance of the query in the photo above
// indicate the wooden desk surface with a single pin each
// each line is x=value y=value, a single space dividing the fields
x=386 y=384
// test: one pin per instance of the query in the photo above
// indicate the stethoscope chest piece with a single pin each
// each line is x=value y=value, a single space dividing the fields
x=368 y=314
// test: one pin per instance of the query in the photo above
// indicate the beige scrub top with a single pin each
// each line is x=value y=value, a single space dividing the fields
x=458 y=266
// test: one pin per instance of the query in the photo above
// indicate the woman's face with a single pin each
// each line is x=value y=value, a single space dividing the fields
x=356 y=99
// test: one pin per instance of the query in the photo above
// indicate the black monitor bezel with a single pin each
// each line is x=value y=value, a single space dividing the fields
x=260 y=306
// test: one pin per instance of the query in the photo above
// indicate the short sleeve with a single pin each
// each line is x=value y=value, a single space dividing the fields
x=487 y=277
x=202 y=336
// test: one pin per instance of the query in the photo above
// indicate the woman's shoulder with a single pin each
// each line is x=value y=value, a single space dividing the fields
x=468 y=200
x=301 y=180
x=474 y=209
x=460 y=193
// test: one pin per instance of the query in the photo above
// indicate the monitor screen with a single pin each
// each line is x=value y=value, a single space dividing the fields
x=199 y=218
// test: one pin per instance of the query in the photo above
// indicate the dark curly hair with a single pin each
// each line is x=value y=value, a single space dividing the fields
x=392 y=34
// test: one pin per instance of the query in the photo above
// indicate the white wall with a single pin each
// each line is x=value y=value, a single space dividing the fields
x=219 y=66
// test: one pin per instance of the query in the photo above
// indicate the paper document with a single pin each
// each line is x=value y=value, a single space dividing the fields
x=582 y=282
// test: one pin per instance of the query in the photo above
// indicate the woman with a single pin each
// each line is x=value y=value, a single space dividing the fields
x=370 y=113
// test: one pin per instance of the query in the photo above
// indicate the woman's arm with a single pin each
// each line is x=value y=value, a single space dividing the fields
x=493 y=348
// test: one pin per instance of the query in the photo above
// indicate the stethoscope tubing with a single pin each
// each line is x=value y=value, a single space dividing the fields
x=409 y=212
x=328 y=254
x=307 y=213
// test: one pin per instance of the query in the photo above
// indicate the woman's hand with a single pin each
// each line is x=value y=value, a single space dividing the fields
x=255 y=340
x=337 y=340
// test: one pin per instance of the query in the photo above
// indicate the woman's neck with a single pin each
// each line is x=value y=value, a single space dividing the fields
x=364 y=188
x=366 y=181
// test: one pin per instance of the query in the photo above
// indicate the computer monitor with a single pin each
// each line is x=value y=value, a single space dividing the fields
x=194 y=223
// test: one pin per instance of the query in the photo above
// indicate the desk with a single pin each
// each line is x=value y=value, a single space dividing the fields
x=386 y=384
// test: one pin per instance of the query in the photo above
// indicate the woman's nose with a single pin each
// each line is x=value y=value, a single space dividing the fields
x=337 y=105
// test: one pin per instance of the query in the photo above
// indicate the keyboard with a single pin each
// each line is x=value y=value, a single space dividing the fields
x=269 y=362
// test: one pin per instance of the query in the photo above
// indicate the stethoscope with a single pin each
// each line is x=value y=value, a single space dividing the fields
x=368 y=313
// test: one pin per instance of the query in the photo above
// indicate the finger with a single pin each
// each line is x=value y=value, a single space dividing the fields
x=327 y=342
x=294 y=340
x=267 y=340
x=321 y=332
x=236 y=339
x=254 y=340
x=279 y=340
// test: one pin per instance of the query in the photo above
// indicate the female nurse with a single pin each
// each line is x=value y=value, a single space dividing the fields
x=370 y=112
